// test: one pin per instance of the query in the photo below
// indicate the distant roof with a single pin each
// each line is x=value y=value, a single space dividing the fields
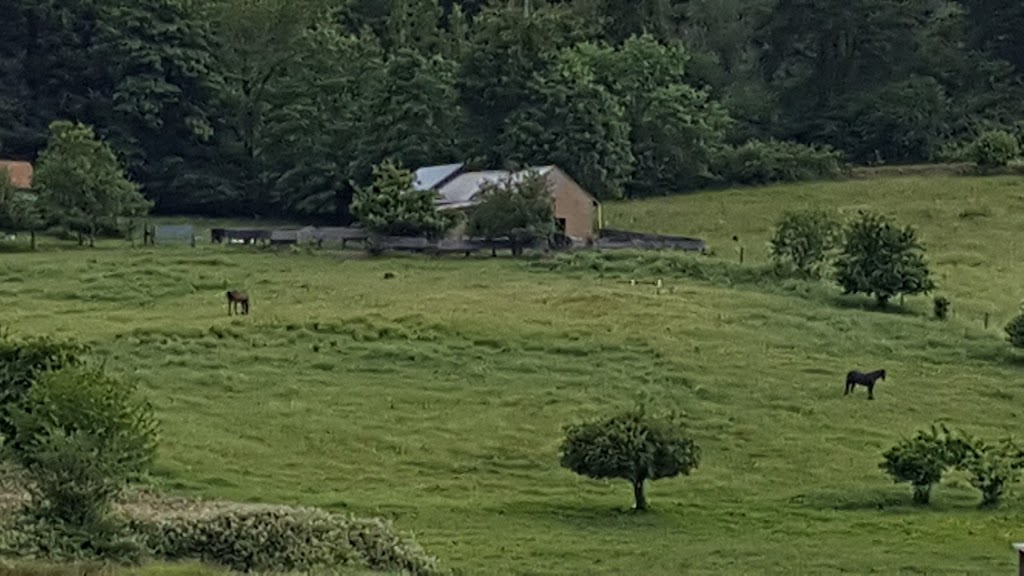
x=461 y=191
x=428 y=177
x=20 y=173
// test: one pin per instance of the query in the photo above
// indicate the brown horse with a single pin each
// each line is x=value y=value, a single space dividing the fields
x=235 y=298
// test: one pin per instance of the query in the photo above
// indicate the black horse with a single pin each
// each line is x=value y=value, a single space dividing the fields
x=853 y=378
x=236 y=298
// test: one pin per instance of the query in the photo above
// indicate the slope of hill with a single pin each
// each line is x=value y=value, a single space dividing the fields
x=437 y=397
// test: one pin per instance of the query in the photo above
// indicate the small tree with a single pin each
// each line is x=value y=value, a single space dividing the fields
x=523 y=211
x=921 y=461
x=880 y=259
x=995 y=149
x=393 y=207
x=1015 y=331
x=80 y=436
x=18 y=211
x=804 y=240
x=81 y=183
x=993 y=468
x=632 y=446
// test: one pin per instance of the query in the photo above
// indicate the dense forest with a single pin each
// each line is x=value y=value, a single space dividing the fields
x=283 y=107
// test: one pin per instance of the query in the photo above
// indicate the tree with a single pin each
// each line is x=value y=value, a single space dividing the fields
x=804 y=240
x=522 y=210
x=675 y=130
x=393 y=207
x=80 y=437
x=81 y=182
x=320 y=119
x=632 y=446
x=880 y=259
x=920 y=461
x=576 y=124
x=414 y=115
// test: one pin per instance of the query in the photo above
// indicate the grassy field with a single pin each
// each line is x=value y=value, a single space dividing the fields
x=437 y=398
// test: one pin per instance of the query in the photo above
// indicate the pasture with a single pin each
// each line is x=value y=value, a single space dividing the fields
x=437 y=397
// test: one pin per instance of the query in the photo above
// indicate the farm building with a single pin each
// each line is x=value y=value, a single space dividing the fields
x=576 y=211
x=19 y=173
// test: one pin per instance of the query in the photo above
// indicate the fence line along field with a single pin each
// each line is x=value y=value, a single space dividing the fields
x=435 y=391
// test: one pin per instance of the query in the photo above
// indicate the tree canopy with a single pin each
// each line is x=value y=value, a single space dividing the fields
x=281 y=108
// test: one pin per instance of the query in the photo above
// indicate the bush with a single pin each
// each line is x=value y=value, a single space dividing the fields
x=23 y=362
x=80 y=437
x=632 y=446
x=1015 y=331
x=285 y=540
x=26 y=535
x=921 y=461
x=941 y=307
x=993 y=468
x=882 y=260
x=995 y=149
x=393 y=207
x=523 y=211
x=804 y=240
x=765 y=162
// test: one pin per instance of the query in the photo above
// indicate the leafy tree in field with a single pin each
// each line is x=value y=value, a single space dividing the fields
x=882 y=260
x=995 y=149
x=674 y=129
x=633 y=446
x=576 y=124
x=391 y=206
x=920 y=461
x=523 y=210
x=993 y=468
x=805 y=240
x=81 y=183
x=81 y=436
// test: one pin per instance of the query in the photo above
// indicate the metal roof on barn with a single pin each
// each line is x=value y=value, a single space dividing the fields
x=428 y=177
x=462 y=190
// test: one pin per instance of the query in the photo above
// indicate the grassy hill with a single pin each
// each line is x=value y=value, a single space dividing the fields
x=438 y=397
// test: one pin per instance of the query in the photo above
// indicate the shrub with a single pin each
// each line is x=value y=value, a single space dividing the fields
x=804 y=240
x=284 y=540
x=523 y=211
x=995 y=149
x=941 y=307
x=23 y=362
x=632 y=446
x=765 y=162
x=882 y=260
x=393 y=207
x=1015 y=331
x=993 y=468
x=921 y=461
x=27 y=535
x=80 y=437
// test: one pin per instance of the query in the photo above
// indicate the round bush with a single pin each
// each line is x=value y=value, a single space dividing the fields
x=994 y=149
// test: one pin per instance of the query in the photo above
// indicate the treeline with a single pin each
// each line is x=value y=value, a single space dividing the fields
x=283 y=107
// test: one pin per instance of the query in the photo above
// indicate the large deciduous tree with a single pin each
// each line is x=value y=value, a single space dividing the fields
x=81 y=184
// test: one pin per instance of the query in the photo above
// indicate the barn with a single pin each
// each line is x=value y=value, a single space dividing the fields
x=19 y=173
x=577 y=212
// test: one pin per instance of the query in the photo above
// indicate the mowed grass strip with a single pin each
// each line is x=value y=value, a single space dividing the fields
x=438 y=397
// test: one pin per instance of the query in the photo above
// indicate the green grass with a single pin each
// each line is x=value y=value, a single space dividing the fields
x=437 y=398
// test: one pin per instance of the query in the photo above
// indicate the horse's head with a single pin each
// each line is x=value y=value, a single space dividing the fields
x=881 y=373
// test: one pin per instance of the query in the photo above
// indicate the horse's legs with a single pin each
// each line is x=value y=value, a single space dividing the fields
x=871 y=391
x=245 y=307
x=846 y=389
